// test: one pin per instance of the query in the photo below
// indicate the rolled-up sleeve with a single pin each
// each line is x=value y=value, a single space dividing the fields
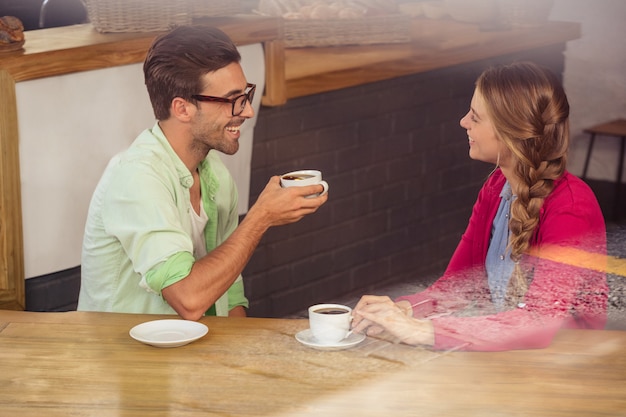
x=170 y=272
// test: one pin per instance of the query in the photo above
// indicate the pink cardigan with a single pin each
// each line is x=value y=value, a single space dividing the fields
x=559 y=295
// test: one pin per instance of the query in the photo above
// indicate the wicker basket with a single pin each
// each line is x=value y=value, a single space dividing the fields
x=137 y=15
x=207 y=8
x=525 y=13
x=390 y=28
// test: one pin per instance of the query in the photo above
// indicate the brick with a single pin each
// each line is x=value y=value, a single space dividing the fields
x=358 y=157
x=390 y=196
x=353 y=206
x=332 y=287
x=391 y=243
x=262 y=285
x=336 y=137
x=371 y=177
x=408 y=167
x=349 y=256
x=409 y=120
x=311 y=269
x=372 y=273
x=393 y=146
x=374 y=128
x=258 y=262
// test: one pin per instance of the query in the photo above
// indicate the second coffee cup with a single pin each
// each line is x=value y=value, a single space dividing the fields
x=330 y=323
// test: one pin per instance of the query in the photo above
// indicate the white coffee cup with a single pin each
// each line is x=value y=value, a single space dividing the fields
x=304 y=177
x=329 y=323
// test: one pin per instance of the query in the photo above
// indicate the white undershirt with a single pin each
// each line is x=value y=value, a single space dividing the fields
x=198 y=223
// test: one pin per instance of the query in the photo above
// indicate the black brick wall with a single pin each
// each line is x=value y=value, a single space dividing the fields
x=401 y=185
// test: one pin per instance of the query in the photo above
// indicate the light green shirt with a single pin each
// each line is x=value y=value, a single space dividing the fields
x=138 y=234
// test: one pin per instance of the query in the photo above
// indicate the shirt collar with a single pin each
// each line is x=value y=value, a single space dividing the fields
x=184 y=175
x=506 y=192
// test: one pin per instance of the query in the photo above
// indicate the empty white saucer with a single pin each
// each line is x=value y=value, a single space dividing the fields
x=306 y=338
x=168 y=333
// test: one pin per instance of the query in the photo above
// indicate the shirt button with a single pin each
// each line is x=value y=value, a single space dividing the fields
x=502 y=257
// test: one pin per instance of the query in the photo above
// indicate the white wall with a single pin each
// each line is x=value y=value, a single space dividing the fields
x=595 y=79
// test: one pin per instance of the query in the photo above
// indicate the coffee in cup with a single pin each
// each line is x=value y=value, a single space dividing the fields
x=330 y=323
x=297 y=177
x=302 y=178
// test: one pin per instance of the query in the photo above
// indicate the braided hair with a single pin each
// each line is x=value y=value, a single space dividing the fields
x=529 y=111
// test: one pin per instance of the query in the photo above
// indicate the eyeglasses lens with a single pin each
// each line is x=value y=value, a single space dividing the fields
x=240 y=104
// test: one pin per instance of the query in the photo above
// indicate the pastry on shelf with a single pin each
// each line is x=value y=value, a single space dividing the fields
x=11 y=34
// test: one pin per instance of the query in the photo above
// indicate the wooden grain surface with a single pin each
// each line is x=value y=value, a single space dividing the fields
x=69 y=49
x=435 y=44
x=292 y=72
x=12 y=291
x=85 y=364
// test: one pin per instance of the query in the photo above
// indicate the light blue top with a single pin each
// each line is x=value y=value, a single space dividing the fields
x=499 y=264
x=138 y=236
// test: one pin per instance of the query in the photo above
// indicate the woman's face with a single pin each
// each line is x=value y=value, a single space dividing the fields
x=483 y=143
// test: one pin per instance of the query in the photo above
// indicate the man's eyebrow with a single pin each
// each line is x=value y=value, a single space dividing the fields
x=235 y=92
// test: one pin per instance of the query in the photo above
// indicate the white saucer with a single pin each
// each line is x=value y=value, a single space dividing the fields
x=306 y=338
x=168 y=333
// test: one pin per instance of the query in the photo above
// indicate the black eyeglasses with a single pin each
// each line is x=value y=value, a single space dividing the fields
x=239 y=102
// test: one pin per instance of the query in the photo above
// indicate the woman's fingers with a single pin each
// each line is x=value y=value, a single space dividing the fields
x=366 y=303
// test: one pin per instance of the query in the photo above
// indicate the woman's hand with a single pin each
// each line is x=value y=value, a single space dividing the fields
x=375 y=315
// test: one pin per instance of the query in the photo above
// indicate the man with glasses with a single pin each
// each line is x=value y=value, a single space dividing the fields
x=162 y=233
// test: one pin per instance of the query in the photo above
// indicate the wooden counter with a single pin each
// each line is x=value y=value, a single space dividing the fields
x=290 y=73
x=435 y=44
x=57 y=51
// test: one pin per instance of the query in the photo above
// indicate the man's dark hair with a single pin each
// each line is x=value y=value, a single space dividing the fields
x=177 y=61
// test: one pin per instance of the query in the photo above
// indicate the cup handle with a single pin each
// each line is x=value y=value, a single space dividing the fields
x=325 y=185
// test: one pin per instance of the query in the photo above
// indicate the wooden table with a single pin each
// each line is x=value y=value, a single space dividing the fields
x=86 y=364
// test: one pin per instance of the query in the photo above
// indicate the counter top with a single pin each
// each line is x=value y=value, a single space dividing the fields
x=435 y=44
x=64 y=50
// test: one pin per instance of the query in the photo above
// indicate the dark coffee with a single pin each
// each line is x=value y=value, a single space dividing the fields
x=298 y=177
x=331 y=310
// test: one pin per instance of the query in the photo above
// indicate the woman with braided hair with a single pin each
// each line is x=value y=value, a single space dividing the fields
x=516 y=277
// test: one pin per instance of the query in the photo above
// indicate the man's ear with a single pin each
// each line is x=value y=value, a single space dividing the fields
x=181 y=109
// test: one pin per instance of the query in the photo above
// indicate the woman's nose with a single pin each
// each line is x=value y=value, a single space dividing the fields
x=464 y=120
